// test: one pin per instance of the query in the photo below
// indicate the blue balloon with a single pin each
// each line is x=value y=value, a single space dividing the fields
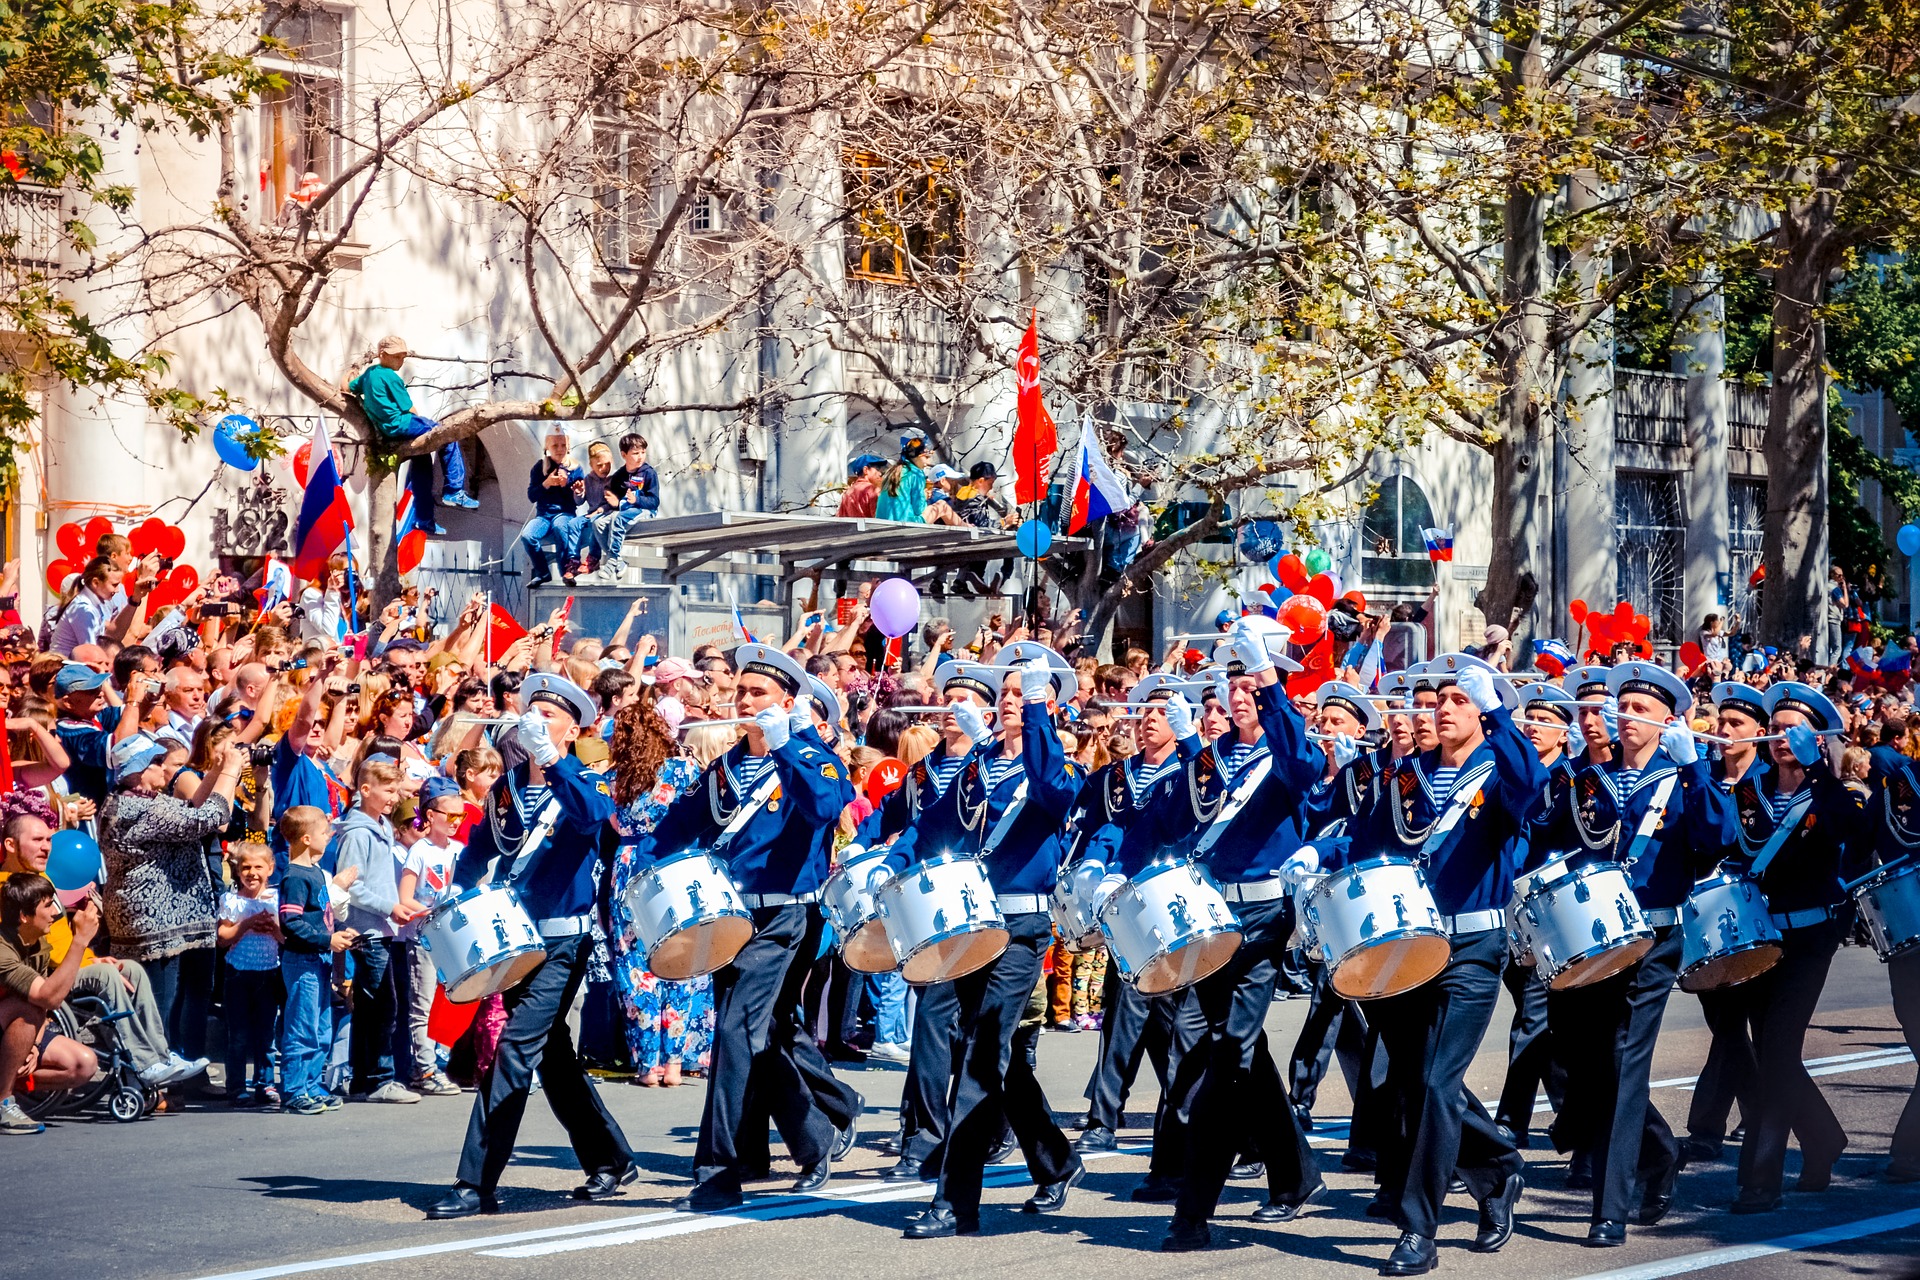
x=74 y=861
x=226 y=441
x=1262 y=540
x=1033 y=538
x=1908 y=539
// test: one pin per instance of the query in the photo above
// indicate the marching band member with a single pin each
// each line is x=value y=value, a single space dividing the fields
x=1016 y=791
x=1461 y=810
x=1168 y=741
x=545 y=818
x=936 y=1013
x=1241 y=813
x=1532 y=1061
x=1597 y=714
x=1896 y=838
x=1801 y=833
x=779 y=792
x=1653 y=808
x=1741 y=713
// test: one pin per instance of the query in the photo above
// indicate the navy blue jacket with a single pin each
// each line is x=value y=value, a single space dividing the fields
x=555 y=501
x=1833 y=841
x=1137 y=825
x=1691 y=838
x=560 y=879
x=1274 y=823
x=1894 y=809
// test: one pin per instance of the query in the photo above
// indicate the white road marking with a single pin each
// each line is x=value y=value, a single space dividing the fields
x=1839 y=1233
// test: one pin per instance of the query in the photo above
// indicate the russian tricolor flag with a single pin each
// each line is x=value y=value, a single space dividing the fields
x=1097 y=491
x=1865 y=665
x=276 y=584
x=325 y=520
x=1439 y=544
x=740 y=626
x=409 y=539
x=1552 y=657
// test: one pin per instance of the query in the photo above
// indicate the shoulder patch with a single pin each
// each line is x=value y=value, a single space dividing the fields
x=828 y=771
x=600 y=785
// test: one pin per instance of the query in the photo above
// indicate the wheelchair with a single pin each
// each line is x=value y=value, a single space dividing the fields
x=89 y=1020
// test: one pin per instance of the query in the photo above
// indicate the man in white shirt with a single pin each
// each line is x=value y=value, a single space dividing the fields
x=186 y=700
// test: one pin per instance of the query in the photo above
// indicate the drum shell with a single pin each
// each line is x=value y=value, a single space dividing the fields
x=454 y=929
x=1168 y=928
x=1890 y=904
x=1727 y=936
x=1365 y=961
x=941 y=919
x=687 y=915
x=1073 y=920
x=850 y=901
x=1584 y=924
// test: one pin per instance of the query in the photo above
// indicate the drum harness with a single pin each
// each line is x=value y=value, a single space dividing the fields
x=522 y=851
x=1230 y=805
x=1659 y=918
x=1465 y=787
x=736 y=820
x=1903 y=837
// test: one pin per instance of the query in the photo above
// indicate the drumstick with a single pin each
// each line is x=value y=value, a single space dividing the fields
x=1716 y=738
x=709 y=724
x=939 y=710
x=1849 y=886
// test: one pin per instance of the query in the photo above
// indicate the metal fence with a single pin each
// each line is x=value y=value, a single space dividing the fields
x=1649 y=407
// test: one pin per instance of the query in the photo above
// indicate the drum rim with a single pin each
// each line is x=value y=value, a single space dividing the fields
x=686 y=854
x=1574 y=873
x=1382 y=861
x=447 y=904
x=1742 y=949
x=858 y=923
x=1186 y=940
x=743 y=911
x=1884 y=876
x=1599 y=949
x=980 y=925
x=1379 y=939
x=1720 y=878
x=1154 y=870
x=521 y=950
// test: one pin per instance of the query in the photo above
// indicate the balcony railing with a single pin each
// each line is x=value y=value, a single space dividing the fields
x=1747 y=416
x=914 y=336
x=1649 y=407
x=30 y=235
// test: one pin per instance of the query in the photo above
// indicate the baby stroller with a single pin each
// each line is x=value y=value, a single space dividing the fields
x=89 y=1020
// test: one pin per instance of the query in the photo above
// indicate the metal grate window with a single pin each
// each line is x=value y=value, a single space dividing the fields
x=1650 y=528
x=1746 y=526
x=1393 y=546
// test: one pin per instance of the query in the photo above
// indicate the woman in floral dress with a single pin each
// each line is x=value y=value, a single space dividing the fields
x=669 y=1025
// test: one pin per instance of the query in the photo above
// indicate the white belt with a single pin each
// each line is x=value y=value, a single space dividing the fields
x=1661 y=917
x=1020 y=904
x=1801 y=919
x=1255 y=890
x=563 y=926
x=1473 y=922
x=758 y=900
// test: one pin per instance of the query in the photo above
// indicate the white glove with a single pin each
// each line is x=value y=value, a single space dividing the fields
x=801 y=717
x=1179 y=713
x=533 y=735
x=1610 y=716
x=1302 y=863
x=1110 y=884
x=1805 y=745
x=773 y=726
x=1036 y=680
x=1251 y=650
x=1223 y=690
x=1678 y=743
x=972 y=723
x=1477 y=684
x=1084 y=880
x=1345 y=750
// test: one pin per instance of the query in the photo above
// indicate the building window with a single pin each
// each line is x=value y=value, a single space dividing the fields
x=1650 y=528
x=1746 y=526
x=302 y=115
x=1393 y=554
x=906 y=219
x=623 y=192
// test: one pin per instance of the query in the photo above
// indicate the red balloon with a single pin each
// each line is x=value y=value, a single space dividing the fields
x=1321 y=589
x=97 y=528
x=1642 y=649
x=1292 y=572
x=60 y=570
x=1623 y=612
x=1305 y=616
x=888 y=773
x=302 y=460
x=1692 y=657
x=1640 y=628
x=1577 y=610
x=71 y=541
x=173 y=543
x=145 y=536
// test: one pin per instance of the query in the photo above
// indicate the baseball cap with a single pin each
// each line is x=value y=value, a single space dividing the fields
x=864 y=461
x=670 y=669
x=77 y=677
x=982 y=471
x=941 y=471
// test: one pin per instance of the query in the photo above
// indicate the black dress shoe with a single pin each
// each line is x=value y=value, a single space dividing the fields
x=1457 y=1186
x=1248 y=1169
x=1816 y=1170
x=1606 y=1235
x=1184 y=1235
x=1739 y=1133
x=1699 y=1151
x=709 y=1199
x=1288 y=1210
x=908 y=1170
x=1378 y=1208
x=934 y=1223
x=1511 y=1136
x=1303 y=1118
x=1496 y=1216
x=813 y=1177
x=1656 y=1201
x=1359 y=1160
x=1156 y=1190
x=1052 y=1197
x=1003 y=1148
x=1097 y=1138
x=844 y=1138
x=1757 y=1202
x=463 y=1202
x=1903 y=1171
x=1580 y=1171
x=603 y=1183
x=1415 y=1255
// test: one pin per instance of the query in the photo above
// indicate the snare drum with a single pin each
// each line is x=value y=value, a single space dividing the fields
x=1071 y=906
x=1728 y=937
x=849 y=899
x=1169 y=927
x=688 y=915
x=482 y=943
x=941 y=919
x=1890 y=902
x=1303 y=935
x=1378 y=925
x=1582 y=925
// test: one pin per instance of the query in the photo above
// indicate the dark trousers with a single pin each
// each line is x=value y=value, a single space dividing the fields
x=1903 y=972
x=183 y=992
x=536 y=1039
x=1613 y=1025
x=834 y=1097
x=380 y=974
x=1334 y=1026
x=995 y=1087
x=1129 y=1030
x=1785 y=1098
x=251 y=1008
x=758 y=1048
x=1237 y=1098
x=1531 y=1059
x=1431 y=1034
x=830 y=980
x=933 y=1061
x=1179 y=1019
x=1728 y=1074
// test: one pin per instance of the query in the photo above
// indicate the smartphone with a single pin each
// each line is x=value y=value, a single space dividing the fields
x=812 y=619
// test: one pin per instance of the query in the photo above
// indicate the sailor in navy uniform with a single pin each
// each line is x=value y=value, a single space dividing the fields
x=1532 y=1060
x=1802 y=835
x=1596 y=718
x=1023 y=766
x=924 y=1119
x=1169 y=741
x=1895 y=813
x=1654 y=809
x=1741 y=711
x=778 y=860
x=1461 y=810
x=545 y=819
x=1242 y=827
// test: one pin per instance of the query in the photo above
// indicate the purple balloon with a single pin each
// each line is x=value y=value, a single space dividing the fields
x=895 y=607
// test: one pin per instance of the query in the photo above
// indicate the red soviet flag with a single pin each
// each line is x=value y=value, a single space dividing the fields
x=1034 y=442
x=502 y=631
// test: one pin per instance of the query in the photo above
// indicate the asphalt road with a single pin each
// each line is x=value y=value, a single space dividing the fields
x=209 y=1192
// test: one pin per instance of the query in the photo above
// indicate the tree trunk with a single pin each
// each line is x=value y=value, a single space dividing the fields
x=1527 y=372
x=1794 y=547
x=381 y=573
